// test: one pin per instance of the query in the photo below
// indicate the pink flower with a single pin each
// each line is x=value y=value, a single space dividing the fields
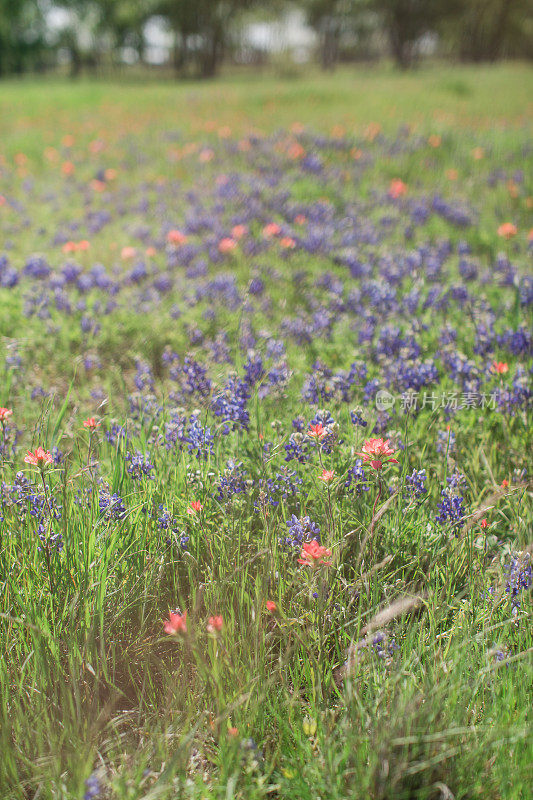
x=507 y=230
x=4 y=414
x=317 y=431
x=227 y=245
x=397 y=188
x=271 y=606
x=177 y=623
x=372 y=451
x=327 y=475
x=176 y=237
x=312 y=555
x=38 y=459
x=214 y=624
x=194 y=507
x=91 y=423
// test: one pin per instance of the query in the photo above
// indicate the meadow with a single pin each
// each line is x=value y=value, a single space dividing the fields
x=265 y=440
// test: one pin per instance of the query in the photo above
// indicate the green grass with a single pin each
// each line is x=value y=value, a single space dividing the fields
x=89 y=682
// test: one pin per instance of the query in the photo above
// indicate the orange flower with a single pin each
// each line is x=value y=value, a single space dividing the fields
x=38 y=459
x=288 y=243
x=233 y=732
x=128 y=252
x=4 y=414
x=507 y=230
x=91 y=423
x=272 y=229
x=194 y=507
x=317 y=431
x=397 y=188
x=327 y=475
x=214 y=624
x=177 y=623
x=271 y=606
x=176 y=237
x=500 y=367
x=483 y=523
x=300 y=219
x=227 y=245
x=312 y=555
x=238 y=231
x=373 y=450
x=68 y=168
x=434 y=140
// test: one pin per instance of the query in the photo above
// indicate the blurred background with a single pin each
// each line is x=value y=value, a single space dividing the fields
x=186 y=39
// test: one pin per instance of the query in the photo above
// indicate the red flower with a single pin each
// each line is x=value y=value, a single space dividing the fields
x=327 y=475
x=194 y=507
x=177 y=623
x=4 y=414
x=500 y=367
x=39 y=459
x=372 y=451
x=233 y=731
x=91 y=423
x=484 y=523
x=271 y=606
x=312 y=555
x=317 y=431
x=214 y=624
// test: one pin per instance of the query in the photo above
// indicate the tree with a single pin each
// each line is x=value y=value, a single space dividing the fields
x=201 y=28
x=406 y=21
x=22 y=35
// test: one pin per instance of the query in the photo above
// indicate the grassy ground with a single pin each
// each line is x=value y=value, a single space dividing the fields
x=398 y=664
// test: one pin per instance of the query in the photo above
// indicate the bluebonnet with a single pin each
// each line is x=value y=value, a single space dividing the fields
x=519 y=578
x=92 y=787
x=451 y=512
x=357 y=418
x=232 y=482
x=111 y=505
x=139 y=465
x=297 y=447
x=231 y=405
x=415 y=485
x=195 y=379
x=356 y=478
x=301 y=529
x=445 y=441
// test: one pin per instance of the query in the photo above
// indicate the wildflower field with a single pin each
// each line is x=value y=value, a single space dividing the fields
x=265 y=505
